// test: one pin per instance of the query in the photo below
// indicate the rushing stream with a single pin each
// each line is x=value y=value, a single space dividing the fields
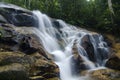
x=59 y=38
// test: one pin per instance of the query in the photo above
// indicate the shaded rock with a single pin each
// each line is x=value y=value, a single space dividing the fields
x=108 y=40
x=78 y=64
x=14 y=65
x=56 y=24
x=24 y=50
x=97 y=50
x=113 y=62
x=87 y=45
x=105 y=74
x=12 y=40
x=16 y=15
x=13 y=72
x=2 y=19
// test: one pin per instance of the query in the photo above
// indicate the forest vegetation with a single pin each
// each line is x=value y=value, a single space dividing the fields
x=102 y=15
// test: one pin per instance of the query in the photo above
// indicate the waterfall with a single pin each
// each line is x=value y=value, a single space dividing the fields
x=58 y=38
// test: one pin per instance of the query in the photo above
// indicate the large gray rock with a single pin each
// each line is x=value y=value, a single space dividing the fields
x=16 y=15
x=12 y=40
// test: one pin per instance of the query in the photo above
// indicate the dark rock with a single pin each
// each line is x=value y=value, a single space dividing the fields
x=104 y=74
x=16 y=15
x=13 y=72
x=56 y=24
x=2 y=19
x=108 y=41
x=113 y=62
x=78 y=64
x=12 y=40
x=87 y=45
x=19 y=66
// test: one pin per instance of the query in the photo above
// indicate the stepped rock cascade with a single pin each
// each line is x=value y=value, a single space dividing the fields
x=58 y=38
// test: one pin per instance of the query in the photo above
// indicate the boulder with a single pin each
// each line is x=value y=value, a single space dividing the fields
x=19 y=66
x=22 y=56
x=2 y=19
x=113 y=63
x=114 y=60
x=97 y=50
x=87 y=45
x=104 y=74
x=16 y=15
x=13 y=40
x=13 y=72
x=78 y=64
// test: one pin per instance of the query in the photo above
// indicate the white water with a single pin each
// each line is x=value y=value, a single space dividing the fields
x=59 y=43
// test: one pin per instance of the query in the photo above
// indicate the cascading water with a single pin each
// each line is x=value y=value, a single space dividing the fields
x=59 y=40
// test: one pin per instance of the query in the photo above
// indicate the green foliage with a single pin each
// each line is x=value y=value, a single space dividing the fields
x=94 y=14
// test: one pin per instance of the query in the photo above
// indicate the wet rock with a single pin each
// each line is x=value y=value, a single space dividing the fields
x=105 y=74
x=95 y=47
x=78 y=64
x=13 y=72
x=12 y=40
x=16 y=15
x=2 y=19
x=113 y=62
x=87 y=45
x=56 y=24
x=108 y=40
x=19 y=66
x=25 y=51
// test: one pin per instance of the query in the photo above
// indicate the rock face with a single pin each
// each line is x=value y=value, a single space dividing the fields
x=87 y=45
x=27 y=54
x=90 y=43
x=12 y=40
x=104 y=74
x=15 y=15
x=22 y=56
x=18 y=66
x=77 y=61
x=114 y=61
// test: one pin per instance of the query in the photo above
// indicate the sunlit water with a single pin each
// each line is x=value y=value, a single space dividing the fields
x=59 y=42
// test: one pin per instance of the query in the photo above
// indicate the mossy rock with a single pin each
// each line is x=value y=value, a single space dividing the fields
x=55 y=78
x=13 y=72
x=105 y=74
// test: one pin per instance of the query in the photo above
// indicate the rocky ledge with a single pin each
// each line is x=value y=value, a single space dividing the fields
x=22 y=57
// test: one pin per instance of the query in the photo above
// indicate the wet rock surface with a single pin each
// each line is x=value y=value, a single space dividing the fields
x=77 y=61
x=22 y=56
x=87 y=45
x=114 y=63
x=16 y=15
x=104 y=74
x=19 y=66
x=114 y=60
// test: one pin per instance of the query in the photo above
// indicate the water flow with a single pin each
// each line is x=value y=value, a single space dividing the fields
x=59 y=41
